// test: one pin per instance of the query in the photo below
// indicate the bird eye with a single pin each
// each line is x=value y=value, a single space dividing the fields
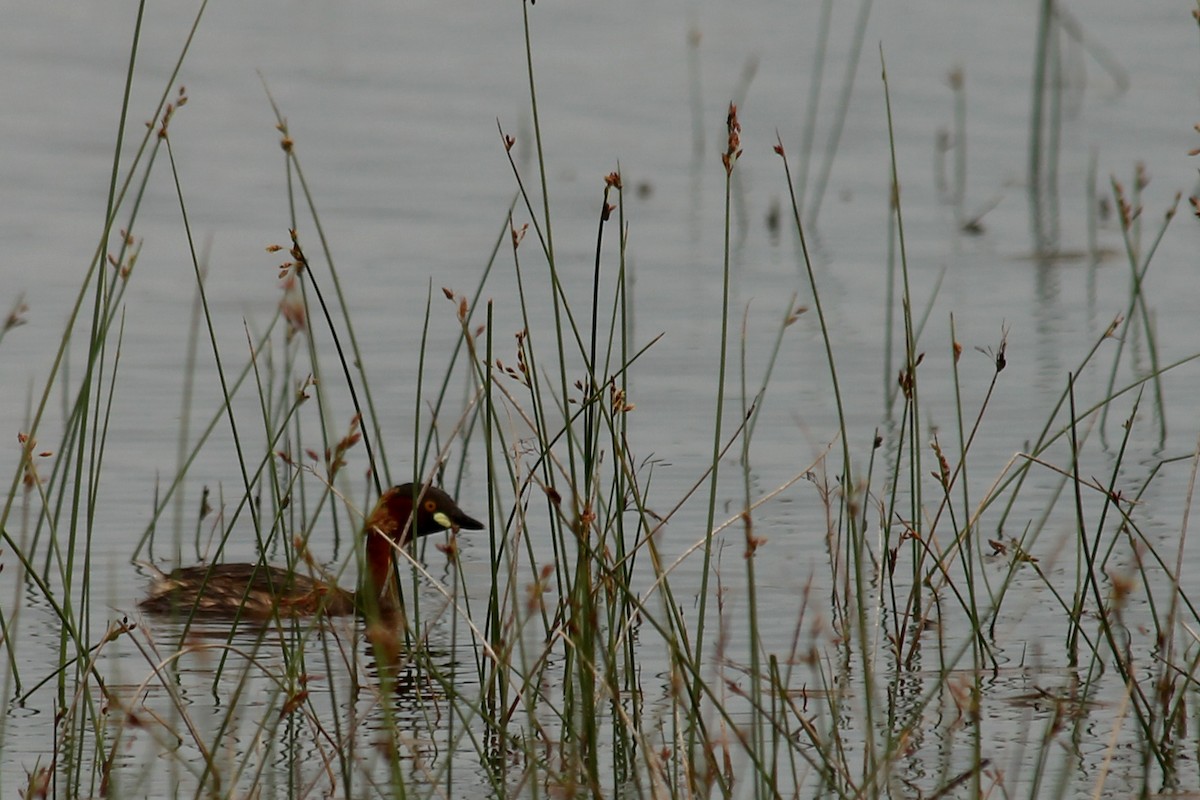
x=430 y=506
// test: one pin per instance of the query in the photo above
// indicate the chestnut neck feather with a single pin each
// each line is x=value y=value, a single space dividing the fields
x=379 y=567
x=388 y=524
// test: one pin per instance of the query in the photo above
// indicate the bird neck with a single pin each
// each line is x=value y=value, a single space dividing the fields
x=378 y=579
x=384 y=527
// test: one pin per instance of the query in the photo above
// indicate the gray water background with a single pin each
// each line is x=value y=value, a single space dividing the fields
x=394 y=112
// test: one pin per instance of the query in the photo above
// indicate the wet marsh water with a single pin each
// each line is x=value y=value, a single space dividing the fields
x=394 y=112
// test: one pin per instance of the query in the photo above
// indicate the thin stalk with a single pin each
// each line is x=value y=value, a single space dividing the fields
x=841 y=111
x=761 y=787
x=816 y=75
x=847 y=471
x=359 y=361
x=729 y=158
x=1042 y=239
x=1138 y=267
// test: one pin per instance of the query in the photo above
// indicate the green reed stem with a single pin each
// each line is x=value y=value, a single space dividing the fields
x=359 y=361
x=557 y=298
x=1138 y=267
x=212 y=337
x=841 y=111
x=694 y=710
x=1043 y=238
x=1141 y=704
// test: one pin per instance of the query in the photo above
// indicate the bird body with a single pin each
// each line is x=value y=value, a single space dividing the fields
x=260 y=592
x=247 y=591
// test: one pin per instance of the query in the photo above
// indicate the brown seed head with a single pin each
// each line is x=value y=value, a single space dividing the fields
x=733 y=148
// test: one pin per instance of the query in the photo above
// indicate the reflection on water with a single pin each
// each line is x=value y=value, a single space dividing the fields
x=266 y=710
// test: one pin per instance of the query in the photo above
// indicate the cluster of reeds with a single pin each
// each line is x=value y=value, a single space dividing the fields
x=567 y=653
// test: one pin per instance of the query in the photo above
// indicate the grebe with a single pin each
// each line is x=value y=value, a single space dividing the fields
x=258 y=592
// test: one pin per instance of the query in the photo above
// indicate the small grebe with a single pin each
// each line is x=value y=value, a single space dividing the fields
x=257 y=591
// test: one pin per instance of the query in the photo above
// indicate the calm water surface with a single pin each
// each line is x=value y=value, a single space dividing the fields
x=394 y=110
